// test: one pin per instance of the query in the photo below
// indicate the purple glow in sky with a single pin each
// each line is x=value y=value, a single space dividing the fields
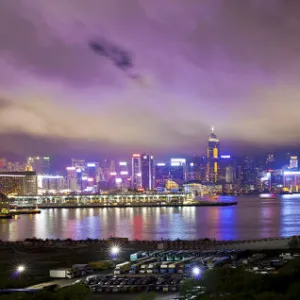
x=232 y=64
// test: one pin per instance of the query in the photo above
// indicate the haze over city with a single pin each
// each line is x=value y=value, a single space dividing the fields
x=195 y=64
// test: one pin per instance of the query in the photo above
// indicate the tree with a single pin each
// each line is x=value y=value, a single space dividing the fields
x=293 y=243
x=271 y=296
x=147 y=296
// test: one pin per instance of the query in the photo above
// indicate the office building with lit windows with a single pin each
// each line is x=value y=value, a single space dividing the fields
x=39 y=164
x=161 y=174
x=18 y=183
x=75 y=180
x=227 y=169
x=294 y=162
x=212 y=164
x=147 y=168
x=177 y=170
x=136 y=173
x=50 y=183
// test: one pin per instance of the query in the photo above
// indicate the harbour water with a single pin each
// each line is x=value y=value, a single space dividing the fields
x=252 y=218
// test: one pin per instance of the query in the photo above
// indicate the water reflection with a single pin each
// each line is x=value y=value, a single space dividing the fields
x=251 y=218
x=290 y=213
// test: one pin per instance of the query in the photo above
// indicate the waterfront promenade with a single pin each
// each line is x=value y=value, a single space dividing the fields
x=116 y=200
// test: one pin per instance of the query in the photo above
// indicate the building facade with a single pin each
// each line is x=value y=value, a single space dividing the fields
x=39 y=164
x=212 y=164
x=147 y=169
x=136 y=173
x=18 y=183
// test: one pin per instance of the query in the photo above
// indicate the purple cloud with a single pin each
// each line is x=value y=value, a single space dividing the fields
x=232 y=64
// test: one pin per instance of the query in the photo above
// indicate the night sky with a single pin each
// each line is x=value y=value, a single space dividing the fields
x=232 y=64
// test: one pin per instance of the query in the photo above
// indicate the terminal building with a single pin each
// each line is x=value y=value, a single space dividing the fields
x=18 y=183
x=198 y=188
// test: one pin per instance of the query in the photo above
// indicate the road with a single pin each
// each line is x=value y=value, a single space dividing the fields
x=61 y=282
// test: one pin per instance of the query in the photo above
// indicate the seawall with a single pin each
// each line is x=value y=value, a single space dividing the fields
x=204 y=203
x=261 y=244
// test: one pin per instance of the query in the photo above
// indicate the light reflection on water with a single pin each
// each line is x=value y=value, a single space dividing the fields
x=251 y=218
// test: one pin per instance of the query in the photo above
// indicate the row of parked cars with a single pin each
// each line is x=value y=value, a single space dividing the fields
x=116 y=284
x=174 y=261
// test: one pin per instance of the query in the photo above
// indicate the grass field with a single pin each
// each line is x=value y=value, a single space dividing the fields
x=39 y=260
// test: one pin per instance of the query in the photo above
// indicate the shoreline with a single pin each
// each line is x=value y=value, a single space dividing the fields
x=204 y=204
x=125 y=240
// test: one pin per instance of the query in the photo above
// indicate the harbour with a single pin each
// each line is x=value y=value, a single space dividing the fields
x=252 y=218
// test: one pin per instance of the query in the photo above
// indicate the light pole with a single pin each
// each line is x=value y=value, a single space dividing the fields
x=114 y=252
x=20 y=269
x=196 y=272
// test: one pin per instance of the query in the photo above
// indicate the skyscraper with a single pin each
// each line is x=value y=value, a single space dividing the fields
x=294 y=162
x=161 y=174
x=212 y=165
x=136 y=174
x=147 y=171
x=227 y=169
x=177 y=170
x=39 y=164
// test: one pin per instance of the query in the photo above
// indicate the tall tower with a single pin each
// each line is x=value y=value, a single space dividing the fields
x=136 y=174
x=213 y=150
x=147 y=168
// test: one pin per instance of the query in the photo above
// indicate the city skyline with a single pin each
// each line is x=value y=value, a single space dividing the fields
x=233 y=65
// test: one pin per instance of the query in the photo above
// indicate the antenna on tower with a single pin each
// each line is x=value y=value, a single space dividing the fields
x=212 y=129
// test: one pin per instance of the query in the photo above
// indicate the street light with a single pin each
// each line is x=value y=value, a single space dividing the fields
x=20 y=269
x=196 y=271
x=115 y=250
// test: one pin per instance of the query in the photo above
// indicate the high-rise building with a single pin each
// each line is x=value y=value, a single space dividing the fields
x=18 y=183
x=50 y=183
x=136 y=174
x=196 y=168
x=177 y=170
x=212 y=164
x=161 y=174
x=294 y=162
x=92 y=172
x=123 y=179
x=227 y=169
x=39 y=164
x=74 y=179
x=147 y=168
x=249 y=171
x=78 y=163
x=270 y=162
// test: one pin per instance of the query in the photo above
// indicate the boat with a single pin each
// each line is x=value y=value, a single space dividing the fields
x=26 y=211
x=213 y=197
x=267 y=196
x=6 y=216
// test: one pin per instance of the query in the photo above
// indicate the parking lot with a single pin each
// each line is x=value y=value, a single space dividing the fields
x=159 y=271
x=165 y=271
x=117 y=284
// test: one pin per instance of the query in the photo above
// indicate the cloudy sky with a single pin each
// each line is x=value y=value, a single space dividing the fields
x=233 y=64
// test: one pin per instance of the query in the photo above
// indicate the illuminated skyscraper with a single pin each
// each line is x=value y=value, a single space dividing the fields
x=147 y=168
x=78 y=163
x=213 y=150
x=136 y=174
x=177 y=170
x=18 y=183
x=227 y=169
x=39 y=164
x=294 y=162
x=161 y=174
